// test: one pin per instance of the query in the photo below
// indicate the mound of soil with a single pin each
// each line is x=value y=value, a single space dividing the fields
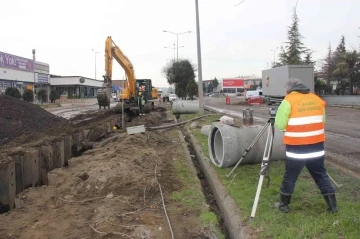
x=110 y=192
x=18 y=117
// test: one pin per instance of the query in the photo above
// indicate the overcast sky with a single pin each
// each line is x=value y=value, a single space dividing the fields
x=234 y=40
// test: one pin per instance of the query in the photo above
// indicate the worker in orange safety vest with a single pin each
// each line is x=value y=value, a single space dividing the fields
x=302 y=116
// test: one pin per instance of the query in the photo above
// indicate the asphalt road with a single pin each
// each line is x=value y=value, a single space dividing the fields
x=342 y=126
x=71 y=110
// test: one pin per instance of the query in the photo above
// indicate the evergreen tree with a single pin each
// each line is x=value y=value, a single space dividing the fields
x=340 y=49
x=348 y=67
x=215 y=82
x=308 y=59
x=328 y=67
x=294 y=49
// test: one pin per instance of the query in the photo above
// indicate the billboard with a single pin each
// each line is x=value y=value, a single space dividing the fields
x=234 y=82
x=42 y=67
x=16 y=62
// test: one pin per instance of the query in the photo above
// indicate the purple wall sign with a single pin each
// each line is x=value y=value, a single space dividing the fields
x=16 y=62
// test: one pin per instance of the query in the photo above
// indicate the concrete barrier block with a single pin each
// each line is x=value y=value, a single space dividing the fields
x=68 y=141
x=18 y=158
x=55 y=178
x=31 y=168
x=7 y=185
x=77 y=138
x=58 y=158
x=85 y=134
x=46 y=162
x=96 y=134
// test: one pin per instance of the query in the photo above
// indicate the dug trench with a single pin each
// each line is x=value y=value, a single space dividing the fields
x=206 y=189
x=117 y=190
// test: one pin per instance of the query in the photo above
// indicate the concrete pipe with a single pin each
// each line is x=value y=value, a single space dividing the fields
x=227 y=144
x=185 y=107
x=205 y=130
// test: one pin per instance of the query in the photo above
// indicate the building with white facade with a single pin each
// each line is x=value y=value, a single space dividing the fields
x=232 y=86
x=16 y=71
x=22 y=73
x=75 y=86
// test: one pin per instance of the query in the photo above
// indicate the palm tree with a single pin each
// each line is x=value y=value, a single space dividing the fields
x=349 y=66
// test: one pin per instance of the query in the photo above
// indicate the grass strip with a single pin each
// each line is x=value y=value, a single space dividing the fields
x=308 y=217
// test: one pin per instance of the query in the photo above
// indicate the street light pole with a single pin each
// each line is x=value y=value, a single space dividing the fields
x=274 y=55
x=200 y=88
x=95 y=61
x=174 y=49
x=177 y=41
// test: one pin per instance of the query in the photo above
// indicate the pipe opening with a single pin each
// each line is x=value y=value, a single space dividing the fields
x=219 y=146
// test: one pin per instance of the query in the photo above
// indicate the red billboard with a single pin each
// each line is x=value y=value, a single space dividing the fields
x=233 y=82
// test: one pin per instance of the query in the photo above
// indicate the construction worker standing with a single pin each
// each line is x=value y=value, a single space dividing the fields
x=141 y=102
x=302 y=116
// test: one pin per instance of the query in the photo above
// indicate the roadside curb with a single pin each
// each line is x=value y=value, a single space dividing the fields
x=227 y=206
x=337 y=160
x=346 y=106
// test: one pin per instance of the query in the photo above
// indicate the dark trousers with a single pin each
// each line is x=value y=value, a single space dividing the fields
x=317 y=170
x=141 y=109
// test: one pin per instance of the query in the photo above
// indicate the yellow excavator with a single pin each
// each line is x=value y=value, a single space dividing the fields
x=132 y=86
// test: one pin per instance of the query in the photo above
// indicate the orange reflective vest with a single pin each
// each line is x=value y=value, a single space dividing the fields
x=306 y=120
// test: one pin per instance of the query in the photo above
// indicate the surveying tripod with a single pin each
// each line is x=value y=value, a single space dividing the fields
x=266 y=157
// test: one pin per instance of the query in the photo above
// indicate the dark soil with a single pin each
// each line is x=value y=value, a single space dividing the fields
x=114 y=190
x=18 y=117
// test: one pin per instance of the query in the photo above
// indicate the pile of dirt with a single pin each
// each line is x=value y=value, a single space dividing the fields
x=111 y=190
x=18 y=117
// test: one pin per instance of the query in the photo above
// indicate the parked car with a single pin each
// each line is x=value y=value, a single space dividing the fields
x=193 y=98
x=115 y=97
x=252 y=93
x=173 y=97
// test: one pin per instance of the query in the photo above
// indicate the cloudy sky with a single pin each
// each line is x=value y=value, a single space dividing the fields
x=235 y=40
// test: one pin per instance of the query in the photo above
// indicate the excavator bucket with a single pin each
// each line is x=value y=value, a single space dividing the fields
x=103 y=98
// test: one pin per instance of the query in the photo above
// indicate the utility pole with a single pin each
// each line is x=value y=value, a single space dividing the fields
x=200 y=88
x=274 y=55
x=33 y=52
x=174 y=51
x=95 y=60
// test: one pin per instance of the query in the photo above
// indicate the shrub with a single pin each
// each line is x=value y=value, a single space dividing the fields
x=42 y=96
x=54 y=95
x=13 y=92
x=28 y=95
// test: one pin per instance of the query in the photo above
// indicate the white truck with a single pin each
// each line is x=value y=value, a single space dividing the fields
x=274 y=80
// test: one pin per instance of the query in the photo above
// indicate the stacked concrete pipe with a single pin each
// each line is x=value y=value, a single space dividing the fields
x=228 y=143
x=185 y=107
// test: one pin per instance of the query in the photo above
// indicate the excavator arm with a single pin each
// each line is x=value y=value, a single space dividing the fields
x=104 y=94
x=129 y=91
x=112 y=51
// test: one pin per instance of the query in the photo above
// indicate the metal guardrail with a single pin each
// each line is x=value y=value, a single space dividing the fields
x=342 y=99
x=69 y=101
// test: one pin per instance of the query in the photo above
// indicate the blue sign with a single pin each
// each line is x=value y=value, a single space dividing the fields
x=43 y=78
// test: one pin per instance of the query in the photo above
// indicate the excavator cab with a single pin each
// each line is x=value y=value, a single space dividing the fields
x=145 y=86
